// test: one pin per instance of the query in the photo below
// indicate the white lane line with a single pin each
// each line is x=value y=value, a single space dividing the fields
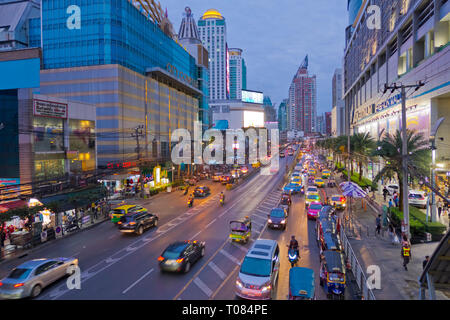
x=242 y=248
x=257 y=223
x=229 y=256
x=258 y=216
x=210 y=223
x=139 y=280
x=219 y=272
x=203 y=287
x=266 y=207
x=261 y=211
x=195 y=235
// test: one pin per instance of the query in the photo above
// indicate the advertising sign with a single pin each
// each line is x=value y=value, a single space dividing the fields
x=50 y=109
x=253 y=119
x=252 y=97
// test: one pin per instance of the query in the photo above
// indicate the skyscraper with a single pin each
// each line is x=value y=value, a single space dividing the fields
x=238 y=74
x=269 y=110
x=338 y=118
x=282 y=115
x=303 y=100
x=213 y=33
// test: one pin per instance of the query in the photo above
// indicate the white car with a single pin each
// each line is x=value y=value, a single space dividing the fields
x=393 y=188
x=417 y=198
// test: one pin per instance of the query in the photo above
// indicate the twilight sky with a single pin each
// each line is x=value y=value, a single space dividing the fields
x=276 y=35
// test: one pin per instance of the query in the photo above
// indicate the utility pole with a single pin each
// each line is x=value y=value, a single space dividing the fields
x=138 y=132
x=405 y=190
x=433 y=167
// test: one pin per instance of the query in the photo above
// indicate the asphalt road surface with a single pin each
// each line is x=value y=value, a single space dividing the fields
x=125 y=267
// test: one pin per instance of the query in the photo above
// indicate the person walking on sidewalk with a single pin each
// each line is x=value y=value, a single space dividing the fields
x=440 y=206
x=385 y=193
x=391 y=204
x=378 y=223
x=424 y=262
x=406 y=254
x=391 y=233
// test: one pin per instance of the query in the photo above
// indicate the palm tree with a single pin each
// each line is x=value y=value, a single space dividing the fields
x=363 y=146
x=419 y=157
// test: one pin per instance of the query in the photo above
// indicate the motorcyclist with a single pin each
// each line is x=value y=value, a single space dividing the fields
x=222 y=197
x=248 y=222
x=293 y=244
x=191 y=199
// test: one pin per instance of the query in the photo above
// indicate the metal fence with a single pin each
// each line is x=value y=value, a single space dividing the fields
x=356 y=268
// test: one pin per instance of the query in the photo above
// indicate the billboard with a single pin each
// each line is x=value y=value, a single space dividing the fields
x=253 y=119
x=252 y=97
x=50 y=109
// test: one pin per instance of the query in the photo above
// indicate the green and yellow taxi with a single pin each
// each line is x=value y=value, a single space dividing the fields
x=338 y=201
x=326 y=174
x=297 y=181
x=312 y=172
x=320 y=183
x=311 y=197
x=119 y=212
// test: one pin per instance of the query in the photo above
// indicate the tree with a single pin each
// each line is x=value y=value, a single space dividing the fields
x=419 y=156
x=362 y=147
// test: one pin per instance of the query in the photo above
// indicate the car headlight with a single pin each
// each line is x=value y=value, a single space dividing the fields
x=239 y=284
x=283 y=221
x=266 y=288
x=270 y=221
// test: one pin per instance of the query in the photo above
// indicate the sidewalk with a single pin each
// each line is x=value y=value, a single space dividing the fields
x=373 y=249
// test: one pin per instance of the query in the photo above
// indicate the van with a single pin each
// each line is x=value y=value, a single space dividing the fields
x=258 y=274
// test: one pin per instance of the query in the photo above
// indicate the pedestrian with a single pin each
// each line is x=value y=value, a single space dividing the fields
x=2 y=238
x=385 y=193
x=406 y=255
x=391 y=204
x=391 y=233
x=424 y=262
x=378 y=223
x=440 y=205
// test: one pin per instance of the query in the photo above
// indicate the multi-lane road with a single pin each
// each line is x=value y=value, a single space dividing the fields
x=125 y=267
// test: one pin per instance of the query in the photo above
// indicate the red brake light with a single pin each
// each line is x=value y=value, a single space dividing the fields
x=119 y=222
x=342 y=199
x=180 y=260
x=1 y=283
x=18 y=285
x=160 y=258
x=132 y=223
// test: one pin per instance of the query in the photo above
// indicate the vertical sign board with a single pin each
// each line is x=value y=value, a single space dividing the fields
x=50 y=109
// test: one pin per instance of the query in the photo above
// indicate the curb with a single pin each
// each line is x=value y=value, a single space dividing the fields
x=47 y=243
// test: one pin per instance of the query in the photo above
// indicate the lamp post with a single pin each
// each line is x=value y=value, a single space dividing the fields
x=433 y=134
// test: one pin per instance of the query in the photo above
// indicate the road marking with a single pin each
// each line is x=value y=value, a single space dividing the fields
x=203 y=286
x=258 y=216
x=257 y=223
x=219 y=272
x=266 y=207
x=229 y=256
x=140 y=279
x=210 y=223
x=111 y=260
x=130 y=249
x=195 y=235
x=260 y=210
x=242 y=248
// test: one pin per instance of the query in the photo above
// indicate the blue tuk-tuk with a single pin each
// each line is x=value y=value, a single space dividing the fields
x=332 y=274
x=330 y=241
x=301 y=284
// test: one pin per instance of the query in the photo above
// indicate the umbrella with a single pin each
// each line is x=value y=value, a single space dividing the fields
x=346 y=185
x=354 y=192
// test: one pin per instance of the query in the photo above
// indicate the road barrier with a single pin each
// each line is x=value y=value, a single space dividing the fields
x=357 y=270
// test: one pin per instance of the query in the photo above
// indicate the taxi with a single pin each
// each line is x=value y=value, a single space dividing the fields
x=338 y=201
x=297 y=181
x=320 y=183
x=310 y=198
x=312 y=172
x=326 y=174
x=313 y=210
x=119 y=212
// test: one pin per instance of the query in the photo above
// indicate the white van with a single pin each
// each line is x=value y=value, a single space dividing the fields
x=258 y=274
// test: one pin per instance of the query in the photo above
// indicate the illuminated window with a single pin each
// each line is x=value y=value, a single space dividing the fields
x=392 y=20
x=405 y=6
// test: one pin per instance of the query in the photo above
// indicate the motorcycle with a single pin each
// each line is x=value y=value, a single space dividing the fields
x=73 y=226
x=222 y=202
x=190 y=203
x=293 y=257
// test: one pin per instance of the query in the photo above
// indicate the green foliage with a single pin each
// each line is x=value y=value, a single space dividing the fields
x=363 y=183
x=417 y=221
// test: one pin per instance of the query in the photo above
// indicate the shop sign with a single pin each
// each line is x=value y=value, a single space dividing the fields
x=389 y=103
x=179 y=75
x=50 y=109
x=364 y=112
x=121 y=165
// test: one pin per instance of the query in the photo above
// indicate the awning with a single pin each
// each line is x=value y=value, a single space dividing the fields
x=14 y=204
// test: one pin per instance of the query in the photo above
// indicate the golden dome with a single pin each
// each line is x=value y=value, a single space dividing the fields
x=212 y=14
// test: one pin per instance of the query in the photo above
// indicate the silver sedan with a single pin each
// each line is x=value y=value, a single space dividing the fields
x=28 y=279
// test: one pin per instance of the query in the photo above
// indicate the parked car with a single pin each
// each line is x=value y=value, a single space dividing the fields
x=417 y=198
x=31 y=277
x=202 y=191
x=258 y=275
x=181 y=255
x=137 y=222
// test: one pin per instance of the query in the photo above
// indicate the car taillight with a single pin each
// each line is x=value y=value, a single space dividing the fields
x=132 y=223
x=1 y=283
x=342 y=199
x=180 y=260
x=160 y=258
x=119 y=222
x=18 y=285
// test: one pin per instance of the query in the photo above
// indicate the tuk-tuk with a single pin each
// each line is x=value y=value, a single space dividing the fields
x=332 y=274
x=332 y=183
x=240 y=231
x=301 y=284
x=330 y=242
x=323 y=227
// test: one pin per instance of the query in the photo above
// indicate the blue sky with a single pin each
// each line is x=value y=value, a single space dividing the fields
x=276 y=35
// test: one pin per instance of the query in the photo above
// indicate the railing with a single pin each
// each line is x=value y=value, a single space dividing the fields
x=356 y=268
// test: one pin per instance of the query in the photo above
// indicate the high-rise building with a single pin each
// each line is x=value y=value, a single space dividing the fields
x=320 y=124
x=213 y=33
x=328 y=123
x=189 y=38
x=353 y=8
x=303 y=100
x=412 y=46
x=238 y=74
x=269 y=110
x=338 y=116
x=283 y=116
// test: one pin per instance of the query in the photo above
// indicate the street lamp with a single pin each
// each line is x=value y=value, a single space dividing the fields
x=433 y=134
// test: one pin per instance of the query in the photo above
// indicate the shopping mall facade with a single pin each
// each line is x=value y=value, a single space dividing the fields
x=109 y=55
x=411 y=46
